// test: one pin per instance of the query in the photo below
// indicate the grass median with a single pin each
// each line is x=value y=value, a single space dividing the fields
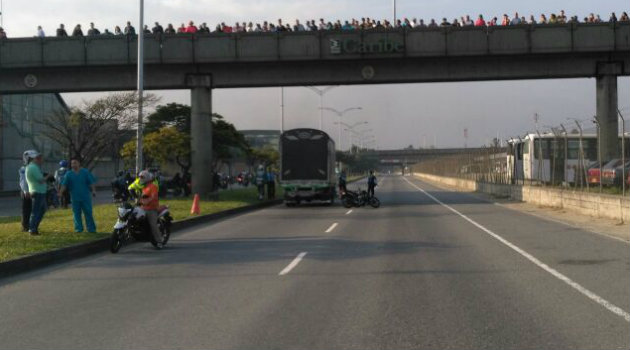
x=57 y=230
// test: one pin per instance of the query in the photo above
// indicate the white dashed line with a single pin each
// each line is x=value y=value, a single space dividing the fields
x=332 y=227
x=349 y=212
x=594 y=297
x=293 y=264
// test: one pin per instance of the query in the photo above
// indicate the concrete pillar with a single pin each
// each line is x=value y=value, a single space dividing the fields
x=201 y=134
x=607 y=110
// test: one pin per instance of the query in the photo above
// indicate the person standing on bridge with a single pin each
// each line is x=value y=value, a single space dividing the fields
x=80 y=183
x=40 y=32
x=93 y=31
x=372 y=183
x=77 y=31
x=129 y=29
x=61 y=31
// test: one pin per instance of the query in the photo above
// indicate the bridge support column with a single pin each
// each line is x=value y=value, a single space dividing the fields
x=201 y=134
x=607 y=109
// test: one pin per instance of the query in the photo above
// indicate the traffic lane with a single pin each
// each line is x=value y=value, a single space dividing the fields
x=235 y=262
x=599 y=263
x=428 y=283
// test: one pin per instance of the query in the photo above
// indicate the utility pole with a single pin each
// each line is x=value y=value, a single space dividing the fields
x=139 y=160
x=395 y=14
x=566 y=154
x=599 y=152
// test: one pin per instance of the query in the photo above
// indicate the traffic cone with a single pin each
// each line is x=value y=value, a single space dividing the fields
x=195 y=210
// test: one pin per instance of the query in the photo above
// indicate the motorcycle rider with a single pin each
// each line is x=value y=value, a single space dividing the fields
x=59 y=175
x=371 y=183
x=150 y=203
x=136 y=187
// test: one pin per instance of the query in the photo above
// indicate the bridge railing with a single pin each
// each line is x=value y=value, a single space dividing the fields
x=323 y=45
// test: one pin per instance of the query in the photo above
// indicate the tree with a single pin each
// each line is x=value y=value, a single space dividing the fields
x=169 y=130
x=94 y=129
x=163 y=146
x=173 y=114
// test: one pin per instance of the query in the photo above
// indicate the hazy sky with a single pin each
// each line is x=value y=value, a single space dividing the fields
x=400 y=115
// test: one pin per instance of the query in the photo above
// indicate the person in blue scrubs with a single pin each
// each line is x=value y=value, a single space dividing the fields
x=80 y=182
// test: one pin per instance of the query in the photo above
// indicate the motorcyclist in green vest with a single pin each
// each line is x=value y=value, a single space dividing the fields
x=136 y=187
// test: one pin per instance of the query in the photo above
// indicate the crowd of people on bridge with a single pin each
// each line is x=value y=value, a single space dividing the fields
x=365 y=23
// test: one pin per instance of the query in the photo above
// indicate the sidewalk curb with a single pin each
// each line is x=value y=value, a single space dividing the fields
x=57 y=256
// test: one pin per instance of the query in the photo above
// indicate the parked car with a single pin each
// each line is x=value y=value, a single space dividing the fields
x=593 y=174
x=612 y=172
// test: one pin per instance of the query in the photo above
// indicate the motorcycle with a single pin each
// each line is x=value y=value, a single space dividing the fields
x=358 y=199
x=132 y=225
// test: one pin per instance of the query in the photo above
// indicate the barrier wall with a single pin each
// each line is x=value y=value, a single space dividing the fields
x=583 y=203
x=326 y=45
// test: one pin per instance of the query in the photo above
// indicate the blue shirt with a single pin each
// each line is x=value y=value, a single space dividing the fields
x=79 y=184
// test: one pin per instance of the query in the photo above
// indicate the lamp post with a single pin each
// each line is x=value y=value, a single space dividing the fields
x=581 y=164
x=139 y=159
x=350 y=128
x=321 y=93
x=340 y=115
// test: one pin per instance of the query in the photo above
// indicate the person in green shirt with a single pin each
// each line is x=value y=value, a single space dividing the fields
x=37 y=188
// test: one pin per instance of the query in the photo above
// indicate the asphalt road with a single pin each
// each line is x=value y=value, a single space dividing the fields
x=415 y=274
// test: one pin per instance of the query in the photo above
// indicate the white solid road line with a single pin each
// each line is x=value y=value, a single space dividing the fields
x=596 y=298
x=349 y=212
x=332 y=227
x=293 y=264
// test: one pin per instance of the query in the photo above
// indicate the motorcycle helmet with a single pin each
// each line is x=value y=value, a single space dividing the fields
x=29 y=155
x=63 y=163
x=145 y=177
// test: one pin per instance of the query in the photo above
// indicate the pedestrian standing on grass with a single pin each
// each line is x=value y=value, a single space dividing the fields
x=260 y=182
x=27 y=202
x=37 y=189
x=80 y=183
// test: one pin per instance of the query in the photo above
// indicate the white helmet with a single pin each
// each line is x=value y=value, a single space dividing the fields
x=29 y=155
x=145 y=177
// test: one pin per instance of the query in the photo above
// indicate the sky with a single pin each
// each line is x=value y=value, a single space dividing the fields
x=422 y=115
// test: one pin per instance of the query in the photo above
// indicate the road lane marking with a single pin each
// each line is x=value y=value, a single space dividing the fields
x=349 y=212
x=293 y=264
x=594 y=297
x=332 y=227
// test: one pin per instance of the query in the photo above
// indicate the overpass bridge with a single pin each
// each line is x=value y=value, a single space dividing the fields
x=413 y=156
x=203 y=62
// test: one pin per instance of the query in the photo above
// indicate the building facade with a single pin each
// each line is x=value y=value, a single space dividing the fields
x=21 y=128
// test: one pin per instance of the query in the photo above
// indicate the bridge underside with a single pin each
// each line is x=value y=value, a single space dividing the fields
x=300 y=73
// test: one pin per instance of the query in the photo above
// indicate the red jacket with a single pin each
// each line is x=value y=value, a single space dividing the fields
x=191 y=29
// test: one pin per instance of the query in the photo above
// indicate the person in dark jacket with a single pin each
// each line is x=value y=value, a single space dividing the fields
x=371 y=183
x=77 y=31
x=61 y=31
x=157 y=29
x=93 y=31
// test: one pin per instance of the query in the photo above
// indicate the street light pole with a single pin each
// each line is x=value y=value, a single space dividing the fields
x=340 y=115
x=321 y=93
x=139 y=159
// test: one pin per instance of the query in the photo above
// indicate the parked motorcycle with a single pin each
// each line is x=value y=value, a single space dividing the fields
x=357 y=199
x=132 y=225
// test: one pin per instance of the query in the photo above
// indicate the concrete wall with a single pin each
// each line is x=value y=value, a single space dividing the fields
x=583 y=203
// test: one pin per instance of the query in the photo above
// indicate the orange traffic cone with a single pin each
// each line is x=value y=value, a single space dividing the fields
x=195 y=210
